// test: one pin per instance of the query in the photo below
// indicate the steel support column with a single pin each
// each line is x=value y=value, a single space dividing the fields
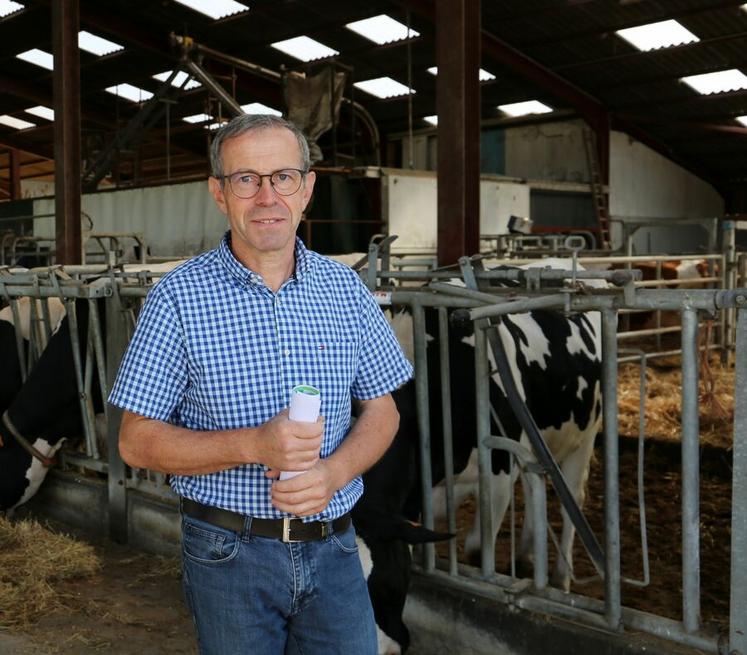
x=458 y=106
x=14 y=177
x=65 y=22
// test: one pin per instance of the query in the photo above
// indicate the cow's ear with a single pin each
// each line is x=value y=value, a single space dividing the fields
x=414 y=533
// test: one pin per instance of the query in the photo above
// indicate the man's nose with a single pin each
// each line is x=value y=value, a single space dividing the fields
x=266 y=194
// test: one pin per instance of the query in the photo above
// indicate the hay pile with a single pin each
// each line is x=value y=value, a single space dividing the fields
x=663 y=403
x=33 y=560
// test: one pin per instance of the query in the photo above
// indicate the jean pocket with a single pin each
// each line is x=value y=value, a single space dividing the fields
x=345 y=541
x=207 y=544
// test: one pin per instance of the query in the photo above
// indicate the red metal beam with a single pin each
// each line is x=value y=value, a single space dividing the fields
x=65 y=23
x=458 y=107
x=14 y=166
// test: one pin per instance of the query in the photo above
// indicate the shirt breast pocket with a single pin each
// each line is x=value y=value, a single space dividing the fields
x=331 y=367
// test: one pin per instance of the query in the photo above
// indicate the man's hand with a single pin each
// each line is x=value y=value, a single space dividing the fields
x=288 y=445
x=305 y=494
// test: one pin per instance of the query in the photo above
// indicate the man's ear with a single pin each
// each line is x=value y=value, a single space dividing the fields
x=216 y=190
x=308 y=187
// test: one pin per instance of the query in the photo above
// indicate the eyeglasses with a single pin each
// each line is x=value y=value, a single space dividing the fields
x=247 y=184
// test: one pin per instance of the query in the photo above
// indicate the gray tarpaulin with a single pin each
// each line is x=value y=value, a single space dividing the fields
x=311 y=101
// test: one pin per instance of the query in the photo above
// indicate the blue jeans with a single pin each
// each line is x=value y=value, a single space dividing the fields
x=254 y=595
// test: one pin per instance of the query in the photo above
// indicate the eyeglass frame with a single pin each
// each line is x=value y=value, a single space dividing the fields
x=228 y=177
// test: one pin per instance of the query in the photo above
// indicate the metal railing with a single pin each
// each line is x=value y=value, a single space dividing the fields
x=119 y=296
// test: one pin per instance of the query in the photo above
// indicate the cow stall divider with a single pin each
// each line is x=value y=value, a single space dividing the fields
x=609 y=614
x=120 y=295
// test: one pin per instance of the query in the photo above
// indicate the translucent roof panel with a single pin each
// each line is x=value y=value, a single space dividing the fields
x=15 y=123
x=718 y=82
x=382 y=29
x=178 y=80
x=742 y=119
x=259 y=108
x=304 y=48
x=97 y=45
x=664 y=34
x=197 y=118
x=38 y=57
x=130 y=92
x=433 y=120
x=215 y=8
x=383 y=87
x=524 y=108
x=484 y=75
x=8 y=7
x=41 y=111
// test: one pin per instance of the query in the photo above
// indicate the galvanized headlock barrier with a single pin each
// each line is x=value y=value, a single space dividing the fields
x=568 y=293
x=575 y=298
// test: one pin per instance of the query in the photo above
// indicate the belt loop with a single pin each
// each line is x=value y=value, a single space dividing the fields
x=247 y=528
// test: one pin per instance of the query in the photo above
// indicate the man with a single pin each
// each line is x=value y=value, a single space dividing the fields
x=205 y=383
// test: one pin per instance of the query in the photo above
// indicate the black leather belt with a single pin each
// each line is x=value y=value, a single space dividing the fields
x=287 y=530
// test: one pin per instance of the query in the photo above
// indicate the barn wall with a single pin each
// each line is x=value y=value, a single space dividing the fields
x=177 y=220
x=548 y=151
x=409 y=200
x=645 y=184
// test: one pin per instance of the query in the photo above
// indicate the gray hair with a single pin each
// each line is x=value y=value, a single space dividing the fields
x=249 y=122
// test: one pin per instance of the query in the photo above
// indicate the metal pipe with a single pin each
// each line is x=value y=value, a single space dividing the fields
x=612 y=592
x=482 y=409
x=690 y=474
x=211 y=84
x=423 y=411
x=443 y=352
x=534 y=474
x=738 y=586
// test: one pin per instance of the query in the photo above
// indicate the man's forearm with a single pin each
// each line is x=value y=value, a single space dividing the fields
x=160 y=446
x=367 y=441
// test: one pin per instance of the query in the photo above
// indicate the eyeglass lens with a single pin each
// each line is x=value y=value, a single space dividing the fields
x=285 y=182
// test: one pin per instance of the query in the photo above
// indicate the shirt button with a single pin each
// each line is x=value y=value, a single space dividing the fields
x=286 y=352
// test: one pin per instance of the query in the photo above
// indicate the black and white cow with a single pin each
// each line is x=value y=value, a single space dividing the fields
x=556 y=362
x=44 y=410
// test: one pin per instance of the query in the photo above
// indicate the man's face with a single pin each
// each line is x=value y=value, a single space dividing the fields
x=265 y=224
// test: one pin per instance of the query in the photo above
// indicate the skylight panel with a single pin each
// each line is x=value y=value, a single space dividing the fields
x=215 y=8
x=382 y=29
x=178 y=80
x=259 y=108
x=484 y=75
x=41 y=111
x=433 y=120
x=743 y=119
x=384 y=87
x=718 y=82
x=664 y=34
x=130 y=92
x=15 y=123
x=97 y=45
x=8 y=7
x=197 y=118
x=304 y=48
x=38 y=57
x=523 y=108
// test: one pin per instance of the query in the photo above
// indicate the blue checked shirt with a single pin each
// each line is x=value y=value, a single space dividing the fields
x=215 y=349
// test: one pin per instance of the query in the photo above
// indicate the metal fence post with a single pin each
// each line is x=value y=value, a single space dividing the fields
x=738 y=605
x=116 y=342
x=690 y=473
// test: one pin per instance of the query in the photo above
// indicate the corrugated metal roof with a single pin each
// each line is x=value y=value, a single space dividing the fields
x=574 y=39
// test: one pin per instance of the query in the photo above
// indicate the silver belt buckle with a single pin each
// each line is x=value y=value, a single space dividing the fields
x=286 y=532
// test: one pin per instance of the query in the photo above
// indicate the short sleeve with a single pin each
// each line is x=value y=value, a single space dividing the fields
x=153 y=375
x=382 y=366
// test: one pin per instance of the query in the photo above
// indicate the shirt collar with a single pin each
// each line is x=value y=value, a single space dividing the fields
x=246 y=275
